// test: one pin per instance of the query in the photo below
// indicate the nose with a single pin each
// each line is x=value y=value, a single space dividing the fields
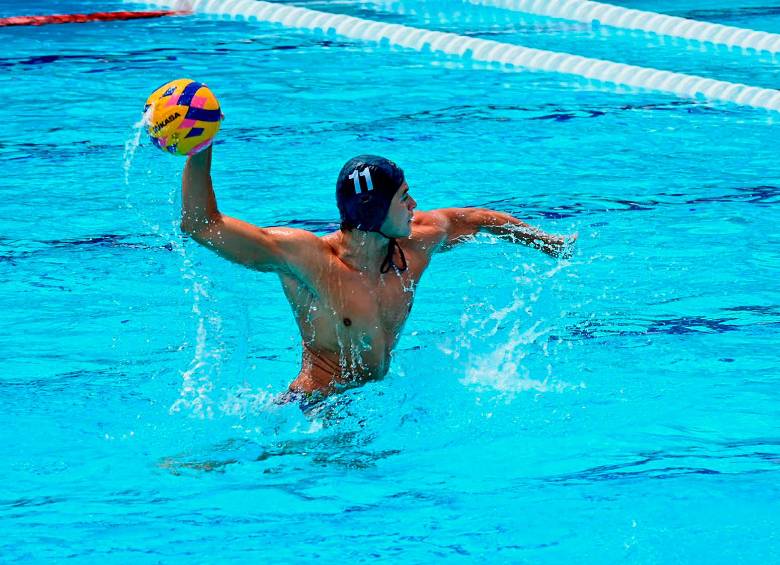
x=412 y=203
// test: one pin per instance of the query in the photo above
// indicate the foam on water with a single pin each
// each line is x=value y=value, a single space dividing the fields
x=502 y=369
x=511 y=347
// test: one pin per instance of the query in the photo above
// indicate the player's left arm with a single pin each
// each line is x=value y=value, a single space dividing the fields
x=460 y=224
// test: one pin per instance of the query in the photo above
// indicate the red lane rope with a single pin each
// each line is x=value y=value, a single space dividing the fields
x=83 y=18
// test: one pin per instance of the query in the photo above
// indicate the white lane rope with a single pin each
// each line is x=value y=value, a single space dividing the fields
x=598 y=13
x=600 y=72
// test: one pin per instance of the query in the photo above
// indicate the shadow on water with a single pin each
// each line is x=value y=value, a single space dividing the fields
x=345 y=450
x=764 y=318
x=730 y=14
x=138 y=58
x=462 y=113
x=591 y=329
x=14 y=250
x=762 y=195
x=337 y=436
x=715 y=459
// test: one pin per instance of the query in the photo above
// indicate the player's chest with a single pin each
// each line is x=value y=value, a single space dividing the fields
x=370 y=301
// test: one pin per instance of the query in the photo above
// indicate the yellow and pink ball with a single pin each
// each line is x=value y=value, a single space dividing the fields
x=182 y=117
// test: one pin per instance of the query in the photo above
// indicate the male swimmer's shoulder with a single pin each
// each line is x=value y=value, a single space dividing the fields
x=305 y=254
x=428 y=228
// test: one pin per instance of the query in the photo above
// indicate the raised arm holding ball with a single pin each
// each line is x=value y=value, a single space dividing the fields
x=351 y=290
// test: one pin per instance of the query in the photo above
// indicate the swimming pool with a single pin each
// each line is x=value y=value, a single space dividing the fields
x=617 y=407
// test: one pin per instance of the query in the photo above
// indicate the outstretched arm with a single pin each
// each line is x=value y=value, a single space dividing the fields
x=458 y=224
x=264 y=249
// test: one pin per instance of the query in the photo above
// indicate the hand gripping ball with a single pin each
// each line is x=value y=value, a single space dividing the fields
x=182 y=117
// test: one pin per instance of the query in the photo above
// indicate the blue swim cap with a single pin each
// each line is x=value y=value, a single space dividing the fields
x=365 y=187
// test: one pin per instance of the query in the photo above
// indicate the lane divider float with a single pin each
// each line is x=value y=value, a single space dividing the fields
x=601 y=72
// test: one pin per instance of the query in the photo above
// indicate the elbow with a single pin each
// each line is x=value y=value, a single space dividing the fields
x=186 y=227
x=194 y=226
x=189 y=227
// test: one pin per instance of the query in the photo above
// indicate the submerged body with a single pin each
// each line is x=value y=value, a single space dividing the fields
x=349 y=304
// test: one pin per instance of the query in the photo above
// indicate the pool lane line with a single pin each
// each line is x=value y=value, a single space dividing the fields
x=83 y=18
x=598 y=71
x=598 y=13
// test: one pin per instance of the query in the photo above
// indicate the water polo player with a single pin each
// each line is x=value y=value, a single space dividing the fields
x=351 y=290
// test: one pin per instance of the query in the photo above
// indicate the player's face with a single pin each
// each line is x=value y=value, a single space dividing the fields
x=398 y=222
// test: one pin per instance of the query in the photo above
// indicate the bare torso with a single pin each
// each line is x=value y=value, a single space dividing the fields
x=349 y=313
x=350 y=321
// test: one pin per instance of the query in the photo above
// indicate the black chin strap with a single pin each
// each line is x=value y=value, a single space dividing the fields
x=389 y=261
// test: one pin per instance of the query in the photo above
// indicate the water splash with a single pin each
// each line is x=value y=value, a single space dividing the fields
x=506 y=347
x=502 y=369
x=132 y=144
x=243 y=401
x=196 y=386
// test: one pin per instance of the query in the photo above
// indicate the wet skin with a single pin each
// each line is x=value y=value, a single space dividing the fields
x=349 y=313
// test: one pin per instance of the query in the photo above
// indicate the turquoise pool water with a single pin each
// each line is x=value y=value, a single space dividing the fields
x=618 y=407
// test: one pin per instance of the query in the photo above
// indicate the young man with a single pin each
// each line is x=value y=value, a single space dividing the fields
x=352 y=290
